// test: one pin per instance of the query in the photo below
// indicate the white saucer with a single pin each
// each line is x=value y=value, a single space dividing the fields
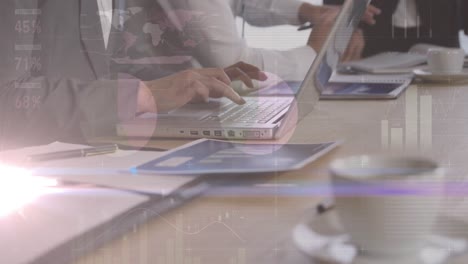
x=426 y=75
x=322 y=238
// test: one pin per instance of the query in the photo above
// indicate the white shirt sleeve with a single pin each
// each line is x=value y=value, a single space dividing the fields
x=222 y=46
x=267 y=12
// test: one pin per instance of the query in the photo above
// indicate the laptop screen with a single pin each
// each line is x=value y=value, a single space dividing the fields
x=338 y=40
x=330 y=54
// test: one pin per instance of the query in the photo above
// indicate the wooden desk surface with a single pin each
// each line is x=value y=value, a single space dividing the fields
x=255 y=226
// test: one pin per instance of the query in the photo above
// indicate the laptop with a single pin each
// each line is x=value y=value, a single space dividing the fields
x=265 y=115
x=330 y=81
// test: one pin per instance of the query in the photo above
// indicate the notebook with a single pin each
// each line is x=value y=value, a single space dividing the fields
x=391 y=62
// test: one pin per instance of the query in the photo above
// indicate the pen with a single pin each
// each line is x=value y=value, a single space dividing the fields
x=142 y=148
x=305 y=27
x=68 y=154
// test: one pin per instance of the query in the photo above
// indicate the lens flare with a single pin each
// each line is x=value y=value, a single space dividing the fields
x=18 y=187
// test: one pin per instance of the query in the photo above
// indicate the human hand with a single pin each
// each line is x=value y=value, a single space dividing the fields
x=245 y=72
x=321 y=30
x=355 y=47
x=369 y=15
x=181 y=88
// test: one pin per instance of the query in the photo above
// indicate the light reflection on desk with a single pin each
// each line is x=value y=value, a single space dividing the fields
x=18 y=187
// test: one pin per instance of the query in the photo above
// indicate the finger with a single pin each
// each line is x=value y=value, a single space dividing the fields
x=201 y=91
x=238 y=74
x=251 y=70
x=371 y=12
x=219 y=74
x=191 y=87
x=374 y=10
x=244 y=66
x=369 y=19
x=218 y=89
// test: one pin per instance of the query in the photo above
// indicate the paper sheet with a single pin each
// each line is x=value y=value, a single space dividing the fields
x=107 y=170
x=368 y=78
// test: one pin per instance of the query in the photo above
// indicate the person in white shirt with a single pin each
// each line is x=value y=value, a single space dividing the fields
x=222 y=43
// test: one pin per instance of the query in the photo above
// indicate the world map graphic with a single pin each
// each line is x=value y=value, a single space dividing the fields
x=156 y=37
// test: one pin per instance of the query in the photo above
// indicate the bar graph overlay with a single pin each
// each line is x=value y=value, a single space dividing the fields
x=416 y=133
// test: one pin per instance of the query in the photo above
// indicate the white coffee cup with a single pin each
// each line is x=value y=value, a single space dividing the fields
x=445 y=60
x=387 y=204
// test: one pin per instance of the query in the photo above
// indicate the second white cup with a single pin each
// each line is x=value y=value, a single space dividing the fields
x=445 y=60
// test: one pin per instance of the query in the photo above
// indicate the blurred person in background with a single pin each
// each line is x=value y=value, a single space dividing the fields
x=220 y=44
x=404 y=23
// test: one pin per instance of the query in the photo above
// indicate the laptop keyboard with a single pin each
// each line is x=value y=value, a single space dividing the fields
x=253 y=111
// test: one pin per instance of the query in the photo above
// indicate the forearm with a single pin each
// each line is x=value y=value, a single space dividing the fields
x=310 y=13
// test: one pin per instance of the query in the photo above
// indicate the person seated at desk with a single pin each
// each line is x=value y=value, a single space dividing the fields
x=70 y=93
x=221 y=44
x=404 y=23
